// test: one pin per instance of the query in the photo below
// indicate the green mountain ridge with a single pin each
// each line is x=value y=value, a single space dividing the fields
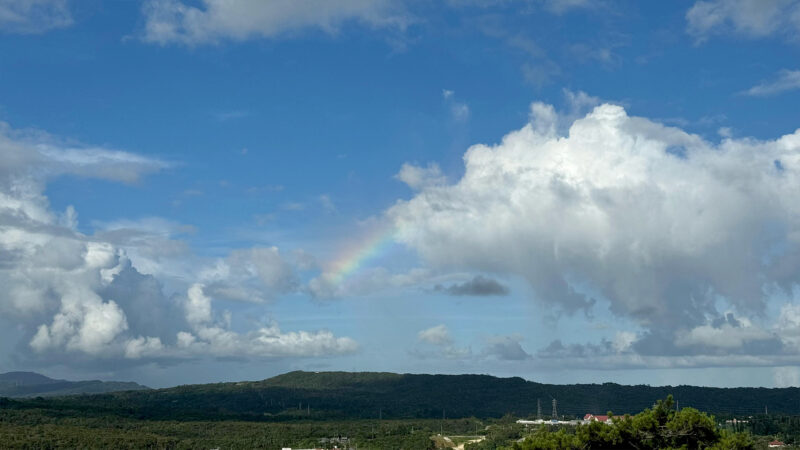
x=367 y=395
x=31 y=384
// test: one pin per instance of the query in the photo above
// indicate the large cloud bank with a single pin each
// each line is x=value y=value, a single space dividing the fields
x=684 y=237
x=81 y=295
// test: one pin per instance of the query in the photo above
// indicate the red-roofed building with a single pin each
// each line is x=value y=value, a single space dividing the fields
x=593 y=418
x=776 y=444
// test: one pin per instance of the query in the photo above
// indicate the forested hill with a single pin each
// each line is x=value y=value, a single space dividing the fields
x=340 y=395
x=31 y=384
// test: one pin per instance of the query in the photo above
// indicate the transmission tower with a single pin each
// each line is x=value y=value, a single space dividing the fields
x=555 y=409
x=538 y=408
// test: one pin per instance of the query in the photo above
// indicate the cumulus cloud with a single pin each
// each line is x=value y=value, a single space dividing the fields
x=153 y=244
x=439 y=344
x=250 y=275
x=33 y=16
x=730 y=334
x=751 y=18
x=478 y=286
x=78 y=296
x=173 y=21
x=437 y=335
x=659 y=222
x=212 y=336
x=788 y=80
x=417 y=177
x=508 y=348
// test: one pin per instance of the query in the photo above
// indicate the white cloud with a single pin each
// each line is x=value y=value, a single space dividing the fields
x=459 y=111
x=788 y=80
x=327 y=203
x=33 y=16
x=198 y=306
x=210 y=337
x=726 y=337
x=541 y=72
x=751 y=18
x=439 y=345
x=437 y=335
x=39 y=156
x=368 y=281
x=786 y=377
x=507 y=348
x=151 y=243
x=623 y=341
x=562 y=6
x=79 y=296
x=417 y=177
x=251 y=275
x=168 y=21
x=553 y=6
x=143 y=347
x=49 y=269
x=657 y=221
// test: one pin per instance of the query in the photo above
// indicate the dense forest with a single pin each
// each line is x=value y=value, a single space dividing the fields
x=399 y=411
x=338 y=395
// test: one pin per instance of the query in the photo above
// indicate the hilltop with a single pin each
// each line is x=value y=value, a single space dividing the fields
x=364 y=395
x=31 y=384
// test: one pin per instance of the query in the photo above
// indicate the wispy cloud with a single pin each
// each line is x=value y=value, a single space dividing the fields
x=788 y=80
x=750 y=18
x=225 y=116
x=459 y=111
x=212 y=21
x=33 y=16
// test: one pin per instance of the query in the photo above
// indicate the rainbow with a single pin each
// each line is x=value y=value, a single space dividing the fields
x=354 y=258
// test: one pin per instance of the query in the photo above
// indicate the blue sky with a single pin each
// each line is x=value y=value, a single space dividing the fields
x=563 y=190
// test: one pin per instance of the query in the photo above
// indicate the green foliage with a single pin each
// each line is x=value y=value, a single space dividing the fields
x=339 y=395
x=546 y=440
x=299 y=408
x=659 y=427
x=36 y=429
x=498 y=436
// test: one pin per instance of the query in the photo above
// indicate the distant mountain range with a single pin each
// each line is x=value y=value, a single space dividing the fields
x=31 y=384
x=369 y=395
